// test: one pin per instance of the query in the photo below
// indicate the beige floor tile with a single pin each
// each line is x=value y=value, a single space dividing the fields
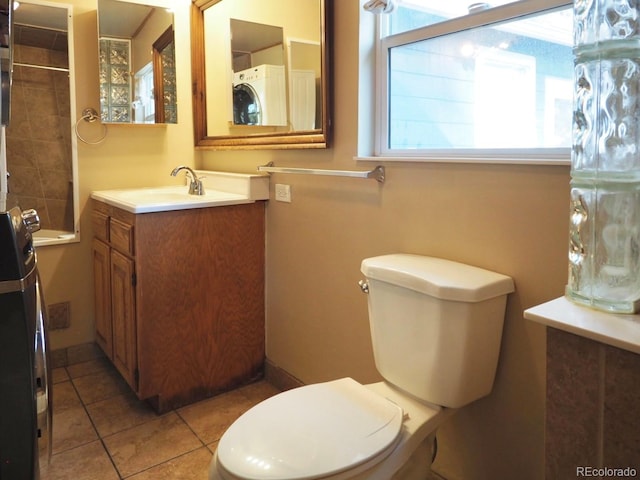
x=119 y=413
x=58 y=358
x=64 y=397
x=98 y=365
x=150 y=444
x=259 y=391
x=100 y=386
x=71 y=424
x=210 y=418
x=59 y=375
x=91 y=395
x=83 y=352
x=213 y=446
x=88 y=462
x=71 y=428
x=191 y=466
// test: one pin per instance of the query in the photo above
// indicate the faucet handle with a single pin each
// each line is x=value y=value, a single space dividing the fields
x=196 y=187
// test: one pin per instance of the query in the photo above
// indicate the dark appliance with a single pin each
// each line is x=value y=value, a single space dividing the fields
x=25 y=389
x=246 y=105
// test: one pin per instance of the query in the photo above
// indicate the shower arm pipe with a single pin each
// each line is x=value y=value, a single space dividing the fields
x=377 y=173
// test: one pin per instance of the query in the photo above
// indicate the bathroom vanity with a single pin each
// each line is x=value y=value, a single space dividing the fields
x=593 y=386
x=179 y=297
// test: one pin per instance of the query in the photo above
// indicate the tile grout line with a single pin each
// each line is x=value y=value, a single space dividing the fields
x=76 y=384
x=190 y=428
x=100 y=438
x=162 y=463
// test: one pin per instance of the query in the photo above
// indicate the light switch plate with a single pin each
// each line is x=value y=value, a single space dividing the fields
x=283 y=193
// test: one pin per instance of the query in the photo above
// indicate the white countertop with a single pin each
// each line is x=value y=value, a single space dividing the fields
x=615 y=329
x=221 y=188
x=161 y=199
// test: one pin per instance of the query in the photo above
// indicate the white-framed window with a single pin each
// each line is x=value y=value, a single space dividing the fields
x=144 y=105
x=458 y=80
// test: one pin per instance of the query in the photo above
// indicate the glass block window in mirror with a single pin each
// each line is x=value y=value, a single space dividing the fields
x=115 y=80
x=169 y=100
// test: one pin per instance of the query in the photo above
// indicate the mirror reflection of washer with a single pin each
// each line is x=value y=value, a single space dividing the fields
x=259 y=96
x=246 y=106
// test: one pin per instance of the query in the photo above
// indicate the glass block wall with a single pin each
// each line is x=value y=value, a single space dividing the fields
x=169 y=84
x=115 y=80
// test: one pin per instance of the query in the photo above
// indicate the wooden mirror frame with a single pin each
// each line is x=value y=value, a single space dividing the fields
x=165 y=40
x=279 y=140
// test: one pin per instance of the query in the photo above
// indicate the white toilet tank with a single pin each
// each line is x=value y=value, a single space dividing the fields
x=436 y=325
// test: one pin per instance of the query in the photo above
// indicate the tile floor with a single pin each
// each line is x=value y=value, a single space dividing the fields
x=101 y=431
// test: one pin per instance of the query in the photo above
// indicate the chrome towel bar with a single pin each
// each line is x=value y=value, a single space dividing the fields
x=377 y=173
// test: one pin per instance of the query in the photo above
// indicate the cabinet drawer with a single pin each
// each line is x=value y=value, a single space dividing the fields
x=121 y=236
x=100 y=223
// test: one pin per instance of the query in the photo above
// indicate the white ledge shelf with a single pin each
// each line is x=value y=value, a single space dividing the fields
x=618 y=330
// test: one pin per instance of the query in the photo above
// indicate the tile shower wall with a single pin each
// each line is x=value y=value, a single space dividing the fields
x=593 y=406
x=39 y=134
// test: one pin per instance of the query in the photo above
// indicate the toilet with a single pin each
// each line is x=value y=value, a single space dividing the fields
x=436 y=327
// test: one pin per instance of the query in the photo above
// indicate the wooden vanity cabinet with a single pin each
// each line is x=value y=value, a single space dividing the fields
x=179 y=298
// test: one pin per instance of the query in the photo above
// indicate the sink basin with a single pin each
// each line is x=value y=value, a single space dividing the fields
x=159 y=199
x=221 y=188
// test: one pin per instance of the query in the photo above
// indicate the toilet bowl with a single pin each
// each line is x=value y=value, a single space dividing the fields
x=335 y=430
x=436 y=327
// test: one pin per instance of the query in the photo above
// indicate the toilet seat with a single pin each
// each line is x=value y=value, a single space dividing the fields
x=311 y=432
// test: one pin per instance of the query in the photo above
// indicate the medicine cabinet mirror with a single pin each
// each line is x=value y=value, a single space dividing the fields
x=260 y=73
x=137 y=63
x=41 y=147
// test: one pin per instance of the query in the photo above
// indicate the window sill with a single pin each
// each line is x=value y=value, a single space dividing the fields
x=509 y=160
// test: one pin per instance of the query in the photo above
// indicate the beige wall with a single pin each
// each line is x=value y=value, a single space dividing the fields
x=511 y=219
x=508 y=218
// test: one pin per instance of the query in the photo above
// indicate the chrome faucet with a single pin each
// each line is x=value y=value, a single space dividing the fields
x=195 y=185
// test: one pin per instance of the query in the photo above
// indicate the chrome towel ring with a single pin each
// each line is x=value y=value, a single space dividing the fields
x=90 y=115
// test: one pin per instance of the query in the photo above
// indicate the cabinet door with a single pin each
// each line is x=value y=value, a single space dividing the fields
x=102 y=289
x=123 y=314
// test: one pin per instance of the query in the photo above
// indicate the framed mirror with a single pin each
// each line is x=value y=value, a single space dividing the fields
x=137 y=63
x=260 y=74
x=41 y=146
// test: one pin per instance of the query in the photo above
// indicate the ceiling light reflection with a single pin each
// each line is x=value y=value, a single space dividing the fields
x=258 y=462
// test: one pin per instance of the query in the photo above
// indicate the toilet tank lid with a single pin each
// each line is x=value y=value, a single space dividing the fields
x=437 y=277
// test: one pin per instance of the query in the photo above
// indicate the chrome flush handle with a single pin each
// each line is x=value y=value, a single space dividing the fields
x=364 y=286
